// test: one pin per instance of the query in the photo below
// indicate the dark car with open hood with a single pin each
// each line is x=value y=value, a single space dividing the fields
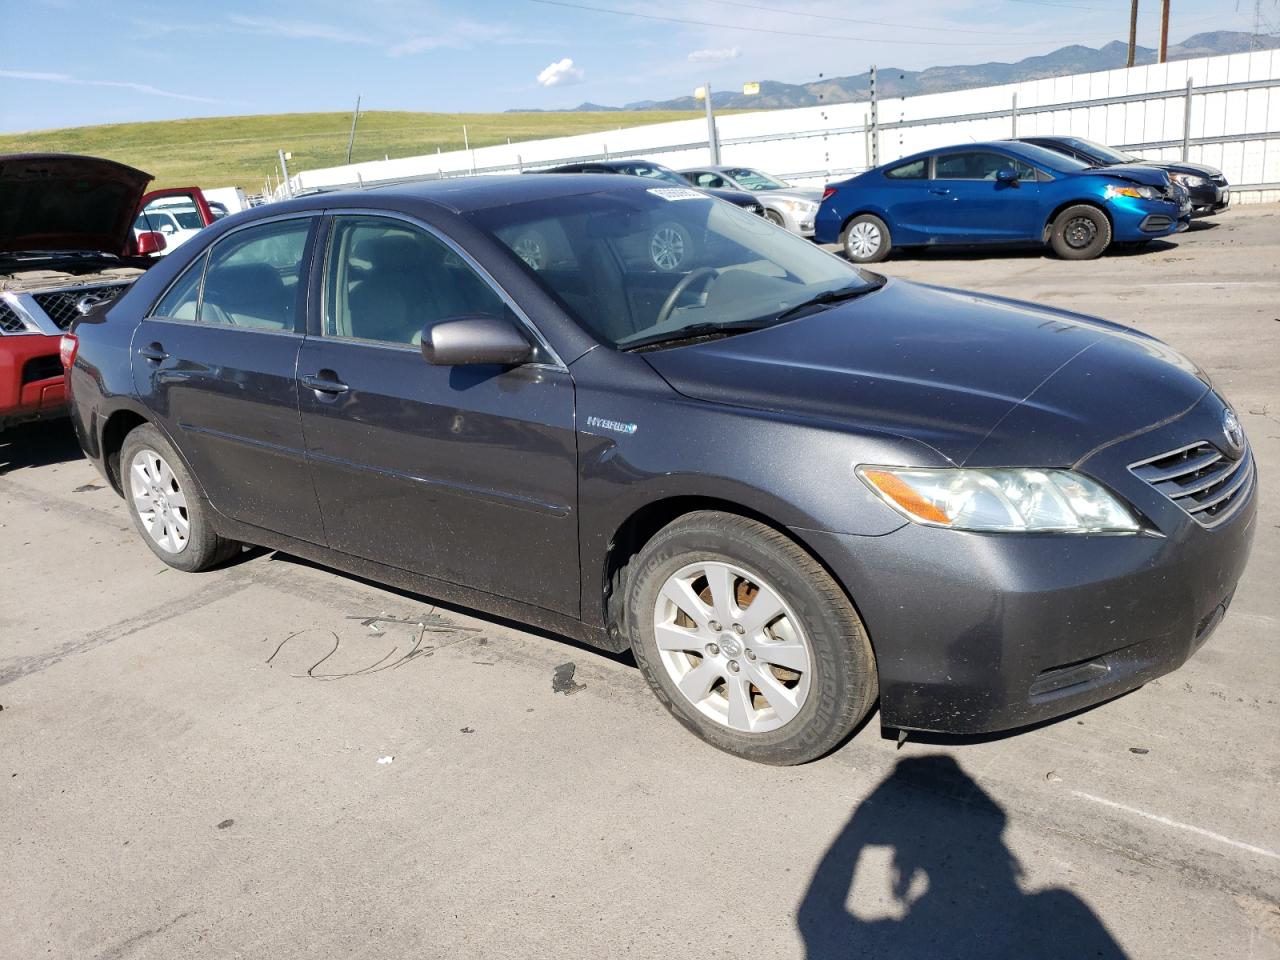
x=795 y=490
x=67 y=244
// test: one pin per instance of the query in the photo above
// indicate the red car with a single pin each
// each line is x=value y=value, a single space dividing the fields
x=67 y=244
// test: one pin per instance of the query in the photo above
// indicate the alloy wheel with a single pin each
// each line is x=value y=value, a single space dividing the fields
x=159 y=500
x=667 y=247
x=528 y=247
x=732 y=646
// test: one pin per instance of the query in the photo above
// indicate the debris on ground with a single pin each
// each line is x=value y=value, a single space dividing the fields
x=225 y=823
x=1052 y=777
x=85 y=488
x=386 y=759
x=562 y=680
x=1140 y=751
x=468 y=730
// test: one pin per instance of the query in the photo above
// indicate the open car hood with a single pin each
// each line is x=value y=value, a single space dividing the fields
x=56 y=201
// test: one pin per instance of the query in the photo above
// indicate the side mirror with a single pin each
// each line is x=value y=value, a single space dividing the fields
x=475 y=340
x=150 y=243
x=1007 y=175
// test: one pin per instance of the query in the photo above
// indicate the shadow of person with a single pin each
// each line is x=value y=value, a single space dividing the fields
x=953 y=890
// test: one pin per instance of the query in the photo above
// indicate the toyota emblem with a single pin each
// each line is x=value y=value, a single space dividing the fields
x=1233 y=431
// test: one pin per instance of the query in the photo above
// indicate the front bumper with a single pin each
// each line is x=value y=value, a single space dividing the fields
x=977 y=633
x=1206 y=201
x=29 y=389
x=1135 y=219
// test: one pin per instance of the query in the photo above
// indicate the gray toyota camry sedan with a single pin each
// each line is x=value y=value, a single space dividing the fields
x=795 y=490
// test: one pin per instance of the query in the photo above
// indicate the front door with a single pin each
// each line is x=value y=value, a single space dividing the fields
x=973 y=206
x=216 y=362
x=467 y=474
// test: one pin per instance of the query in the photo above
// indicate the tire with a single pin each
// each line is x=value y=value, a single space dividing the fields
x=774 y=217
x=168 y=511
x=866 y=239
x=531 y=247
x=783 y=693
x=670 y=246
x=1082 y=232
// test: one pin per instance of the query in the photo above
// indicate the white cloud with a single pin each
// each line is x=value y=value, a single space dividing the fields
x=562 y=73
x=419 y=44
x=118 y=84
x=722 y=55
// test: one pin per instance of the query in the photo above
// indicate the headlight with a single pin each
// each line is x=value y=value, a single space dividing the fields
x=1136 y=190
x=798 y=206
x=1006 y=500
x=1188 y=179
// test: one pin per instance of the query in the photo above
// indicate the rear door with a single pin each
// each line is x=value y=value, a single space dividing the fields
x=216 y=362
x=973 y=206
x=467 y=474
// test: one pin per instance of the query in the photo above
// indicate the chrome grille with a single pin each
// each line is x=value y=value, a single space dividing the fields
x=62 y=306
x=1201 y=480
x=10 y=322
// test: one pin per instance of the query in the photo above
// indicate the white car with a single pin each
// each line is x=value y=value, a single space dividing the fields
x=787 y=206
x=178 y=222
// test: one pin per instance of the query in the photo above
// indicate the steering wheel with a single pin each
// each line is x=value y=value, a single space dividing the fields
x=669 y=304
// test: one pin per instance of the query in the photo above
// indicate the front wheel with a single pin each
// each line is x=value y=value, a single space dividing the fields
x=1082 y=232
x=167 y=508
x=866 y=239
x=747 y=640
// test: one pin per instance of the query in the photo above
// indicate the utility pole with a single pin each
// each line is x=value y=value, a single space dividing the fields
x=351 y=140
x=284 y=172
x=1164 y=31
x=713 y=139
x=1133 y=31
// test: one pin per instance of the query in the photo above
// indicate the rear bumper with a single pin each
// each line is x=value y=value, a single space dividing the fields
x=978 y=633
x=26 y=391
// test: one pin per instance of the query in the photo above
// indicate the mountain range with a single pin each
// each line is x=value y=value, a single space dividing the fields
x=894 y=82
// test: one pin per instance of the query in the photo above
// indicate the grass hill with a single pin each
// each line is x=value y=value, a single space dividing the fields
x=241 y=151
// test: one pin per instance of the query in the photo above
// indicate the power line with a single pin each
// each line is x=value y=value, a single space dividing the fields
x=782 y=33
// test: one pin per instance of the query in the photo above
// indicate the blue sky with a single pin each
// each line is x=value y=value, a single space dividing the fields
x=72 y=62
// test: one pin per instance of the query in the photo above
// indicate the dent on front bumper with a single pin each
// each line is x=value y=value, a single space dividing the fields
x=1135 y=219
x=977 y=633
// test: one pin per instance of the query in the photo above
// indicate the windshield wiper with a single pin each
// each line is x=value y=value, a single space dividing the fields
x=830 y=298
x=695 y=331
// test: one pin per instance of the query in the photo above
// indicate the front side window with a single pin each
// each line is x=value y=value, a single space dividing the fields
x=254 y=277
x=979 y=166
x=710 y=180
x=387 y=280
x=634 y=265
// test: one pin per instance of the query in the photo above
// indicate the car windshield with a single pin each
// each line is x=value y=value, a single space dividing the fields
x=654 y=172
x=1101 y=151
x=1050 y=159
x=755 y=180
x=648 y=264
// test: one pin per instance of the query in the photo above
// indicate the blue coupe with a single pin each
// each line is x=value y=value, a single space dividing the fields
x=999 y=193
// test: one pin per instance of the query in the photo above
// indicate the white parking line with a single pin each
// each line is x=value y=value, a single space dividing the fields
x=1181 y=826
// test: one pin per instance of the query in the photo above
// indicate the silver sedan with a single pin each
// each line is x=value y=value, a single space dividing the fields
x=787 y=206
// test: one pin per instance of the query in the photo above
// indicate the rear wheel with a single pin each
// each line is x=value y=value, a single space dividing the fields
x=167 y=508
x=866 y=239
x=1082 y=232
x=747 y=640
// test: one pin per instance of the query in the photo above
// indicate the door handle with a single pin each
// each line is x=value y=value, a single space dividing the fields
x=153 y=352
x=940 y=191
x=325 y=384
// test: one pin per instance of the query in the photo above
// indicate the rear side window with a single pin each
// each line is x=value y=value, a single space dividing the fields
x=387 y=280
x=183 y=298
x=915 y=170
x=254 y=277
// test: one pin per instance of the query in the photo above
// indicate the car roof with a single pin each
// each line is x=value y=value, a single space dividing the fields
x=465 y=194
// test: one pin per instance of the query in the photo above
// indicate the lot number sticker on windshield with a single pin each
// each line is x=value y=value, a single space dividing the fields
x=677 y=193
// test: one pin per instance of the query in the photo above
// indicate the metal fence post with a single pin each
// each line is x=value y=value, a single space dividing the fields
x=1186 y=122
x=284 y=170
x=1015 y=115
x=875 y=121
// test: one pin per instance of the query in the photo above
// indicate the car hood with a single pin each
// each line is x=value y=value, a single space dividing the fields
x=51 y=201
x=1138 y=173
x=980 y=379
x=793 y=193
x=741 y=197
x=1179 y=166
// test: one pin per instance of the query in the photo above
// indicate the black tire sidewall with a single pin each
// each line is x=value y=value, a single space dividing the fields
x=843 y=686
x=886 y=238
x=204 y=547
x=774 y=217
x=1101 y=241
